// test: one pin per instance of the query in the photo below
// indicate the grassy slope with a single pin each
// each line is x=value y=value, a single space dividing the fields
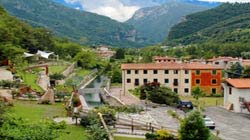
x=127 y=138
x=31 y=79
x=207 y=101
x=56 y=69
x=34 y=112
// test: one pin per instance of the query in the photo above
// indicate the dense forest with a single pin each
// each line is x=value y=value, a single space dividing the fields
x=79 y=26
x=17 y=37
x=195 y=23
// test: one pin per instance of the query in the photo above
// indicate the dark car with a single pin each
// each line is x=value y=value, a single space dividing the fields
x=185 y=105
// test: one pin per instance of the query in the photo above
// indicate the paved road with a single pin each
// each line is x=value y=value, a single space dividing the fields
x=126 y=98
x=5 y=74
x=232 y=126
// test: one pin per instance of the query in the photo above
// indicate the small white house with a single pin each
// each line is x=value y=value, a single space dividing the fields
x=236 y=93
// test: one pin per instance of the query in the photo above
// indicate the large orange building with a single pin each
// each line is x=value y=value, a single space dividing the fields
x=180 y=77
x=208 y=80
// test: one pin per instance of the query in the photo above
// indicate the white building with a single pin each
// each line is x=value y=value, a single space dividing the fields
x=236 y=92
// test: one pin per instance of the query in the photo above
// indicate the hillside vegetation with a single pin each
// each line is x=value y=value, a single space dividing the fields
x=82 y=27
x=228 y=23
x=154 y=23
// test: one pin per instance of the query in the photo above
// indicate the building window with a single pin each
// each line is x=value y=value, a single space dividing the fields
x=176 y=90
x=166 y=81
x=198 y=72
x=128 y=71
x=230 y=91
x=166 y=71
x=198 y=81
x=175 y=71
x=156 y=80
x=136 y=71
x=213 y=90
x=214 y=72
x=145 y=81
x=175 y=82
x=128 y=80
x=186 y=90
x=186 y=71
x=137 y=82
x=186 y=81
x=155 y=71
x=214 y=81
x=217 y=63
x=145 y=72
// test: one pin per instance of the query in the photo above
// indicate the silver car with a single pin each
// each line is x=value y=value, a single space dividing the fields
x=209 y=123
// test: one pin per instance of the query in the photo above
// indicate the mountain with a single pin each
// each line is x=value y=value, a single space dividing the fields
x=154 y=23
x=80 y=26
x=228 y=23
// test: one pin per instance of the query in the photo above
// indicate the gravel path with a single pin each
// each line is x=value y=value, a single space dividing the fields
x=5 y=74
x=127 y=98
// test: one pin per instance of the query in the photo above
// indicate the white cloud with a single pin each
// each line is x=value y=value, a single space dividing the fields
x=231 y=1
x=114 y=9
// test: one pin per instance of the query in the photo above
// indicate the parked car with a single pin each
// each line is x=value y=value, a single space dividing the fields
x=185 y=105
x=209 y=123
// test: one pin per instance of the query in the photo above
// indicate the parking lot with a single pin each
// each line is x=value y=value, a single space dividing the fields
x=232 y=126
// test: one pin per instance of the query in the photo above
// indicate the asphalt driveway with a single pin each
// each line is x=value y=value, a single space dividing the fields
x=232 y=126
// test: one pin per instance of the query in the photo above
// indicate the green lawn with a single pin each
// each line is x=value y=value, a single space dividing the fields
x=126 y=138
x=73 y=133
x=33 y=112
x=57 y=69
x=30 y=79
x=82 y=72
x=205 y=101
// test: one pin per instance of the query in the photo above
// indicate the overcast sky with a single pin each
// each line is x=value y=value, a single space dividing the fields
x=122 y=10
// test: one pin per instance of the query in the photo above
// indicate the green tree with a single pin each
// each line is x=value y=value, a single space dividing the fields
x=197 y=92
x=86 y=59
x=120 y=53
x=193 y=128
x=235 y=71
x=158 y=94
x=246 y=73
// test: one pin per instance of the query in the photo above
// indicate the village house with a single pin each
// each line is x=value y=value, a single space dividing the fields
x=237 y=94
x=180 y=77
x=162 y=59
x=225 y=62
x=104 y=52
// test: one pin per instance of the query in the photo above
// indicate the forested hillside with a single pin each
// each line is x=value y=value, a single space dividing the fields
x=17 y=37
x=228 y=23
x=80 y=26
x=154 y=23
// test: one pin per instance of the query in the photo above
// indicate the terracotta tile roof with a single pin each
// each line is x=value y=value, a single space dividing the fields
x=163 y=58
x=222 y=58
x=239 y=83
x=165 y=66
x=246 y=62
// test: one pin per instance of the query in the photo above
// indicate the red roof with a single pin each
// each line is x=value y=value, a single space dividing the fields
x=164 y=58
x=239 y=83
x=166 y=66
x=246 y=62
x=222 y=58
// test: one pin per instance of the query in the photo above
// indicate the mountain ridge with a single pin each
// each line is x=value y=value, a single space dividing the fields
x=80 y=26
x=153 y=23
x=216 y=25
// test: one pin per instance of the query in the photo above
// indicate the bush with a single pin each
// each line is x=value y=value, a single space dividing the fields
x=57 y=76
x=160 y=135
x=128 y=109
x=159 y=94
x=193 y=128
x=151 y=136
